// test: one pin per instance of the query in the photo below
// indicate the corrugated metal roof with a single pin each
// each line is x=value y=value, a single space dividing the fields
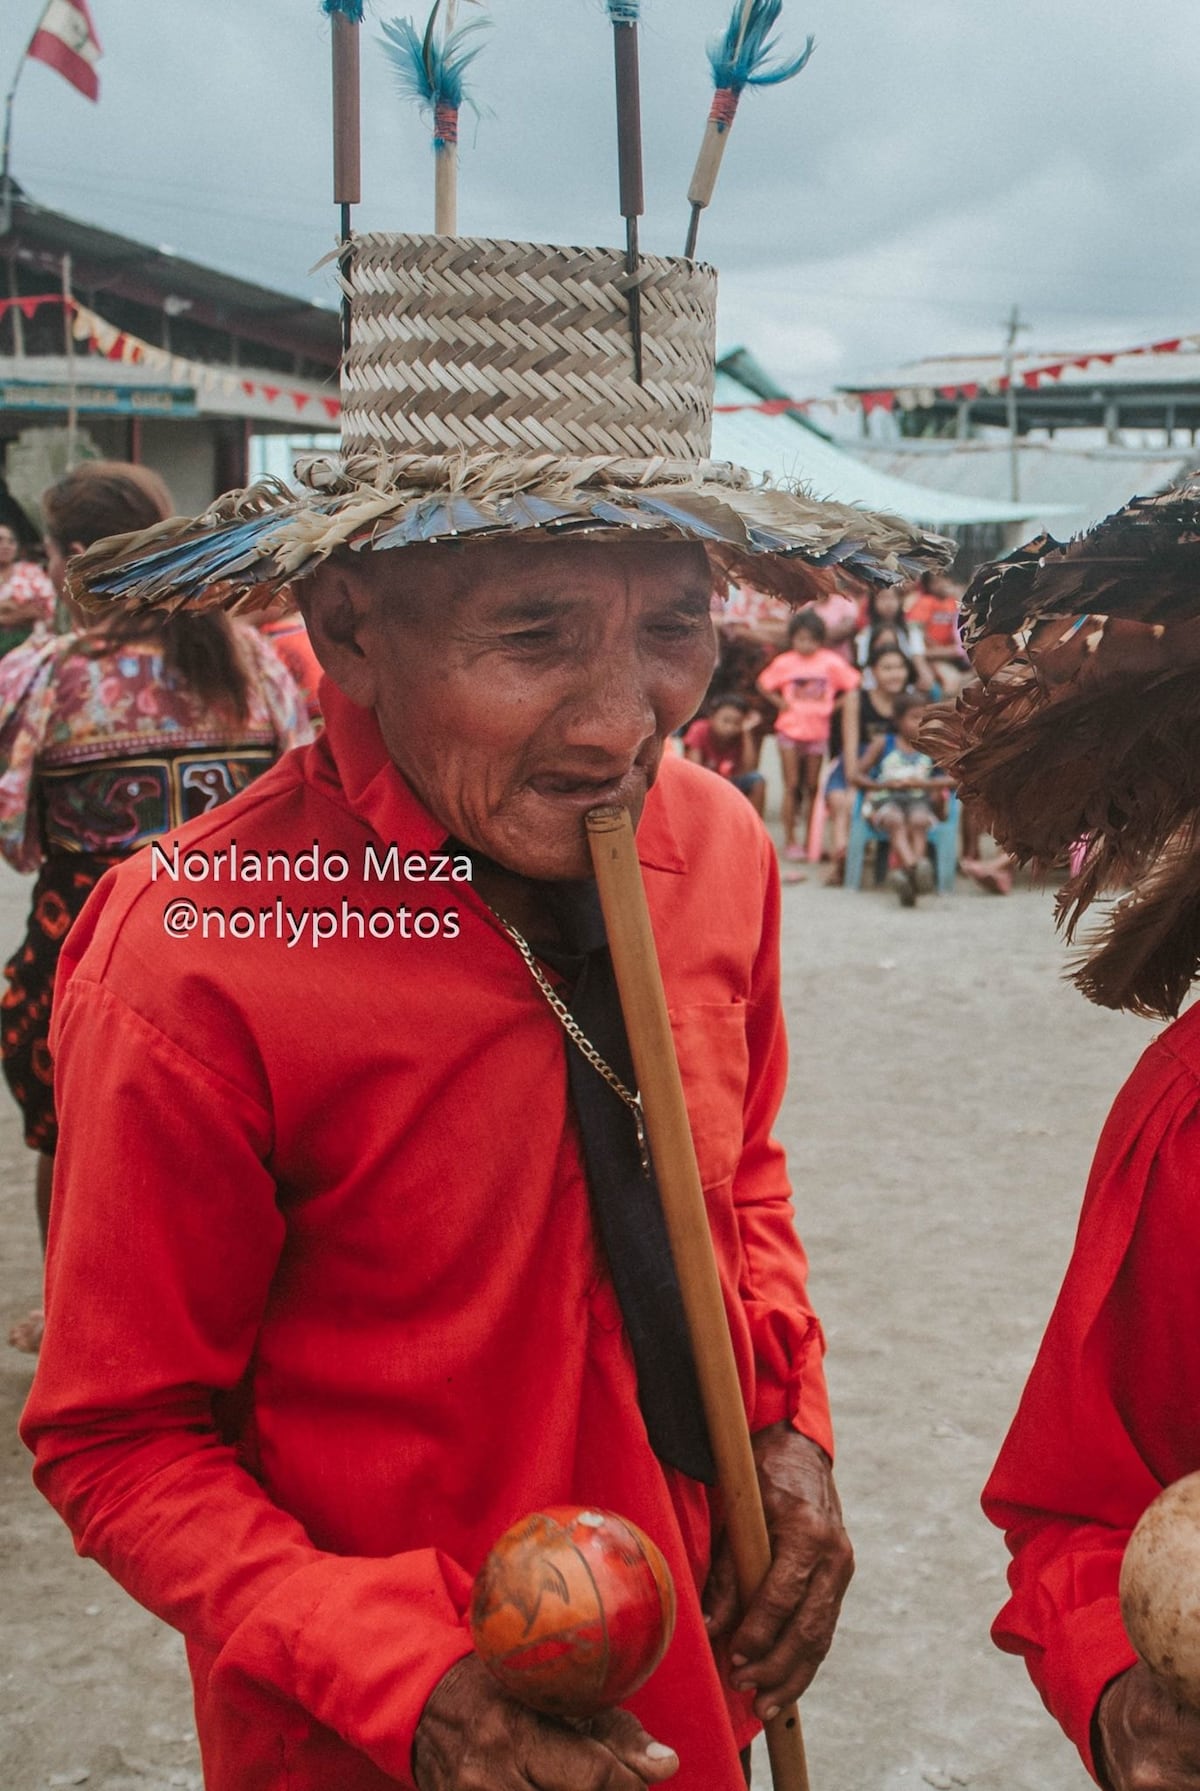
x=1074 y=487
x=1181 y=368
x=776 y=446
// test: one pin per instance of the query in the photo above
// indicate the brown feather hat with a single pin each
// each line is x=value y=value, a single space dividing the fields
x=1082 y=736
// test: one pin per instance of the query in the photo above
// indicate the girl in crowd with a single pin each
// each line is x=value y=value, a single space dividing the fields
x=934 y=607
x=26 y=594
x=863 y=716
x=887 y=623
x=112 y=735
x=804 y=683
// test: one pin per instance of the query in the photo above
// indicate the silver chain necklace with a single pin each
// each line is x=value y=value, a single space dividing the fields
x=578 y=1037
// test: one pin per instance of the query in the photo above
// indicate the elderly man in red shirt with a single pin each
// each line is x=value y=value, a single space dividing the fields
x=354 y=1260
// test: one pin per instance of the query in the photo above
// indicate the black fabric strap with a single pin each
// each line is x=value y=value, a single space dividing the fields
x=625 y=1200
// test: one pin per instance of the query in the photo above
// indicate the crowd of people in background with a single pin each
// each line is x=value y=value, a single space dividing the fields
x=843 y=687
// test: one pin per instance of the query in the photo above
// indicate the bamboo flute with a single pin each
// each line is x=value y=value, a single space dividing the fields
x=643 y=1002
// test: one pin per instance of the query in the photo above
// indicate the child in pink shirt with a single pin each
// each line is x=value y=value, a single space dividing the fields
x=804 y=683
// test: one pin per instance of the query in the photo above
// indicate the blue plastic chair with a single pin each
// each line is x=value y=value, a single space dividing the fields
x=943 y=838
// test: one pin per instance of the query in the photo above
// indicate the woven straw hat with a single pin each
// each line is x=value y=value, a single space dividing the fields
x=488 y=390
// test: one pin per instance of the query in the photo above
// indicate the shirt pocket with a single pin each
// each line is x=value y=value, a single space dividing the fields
x=714 y=1063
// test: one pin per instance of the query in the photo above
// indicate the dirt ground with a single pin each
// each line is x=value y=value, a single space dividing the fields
x=946 y=1093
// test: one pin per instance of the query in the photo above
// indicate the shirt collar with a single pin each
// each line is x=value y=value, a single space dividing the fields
x=375 y=790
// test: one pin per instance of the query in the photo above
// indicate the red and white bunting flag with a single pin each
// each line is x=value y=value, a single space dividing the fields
x=66 y=41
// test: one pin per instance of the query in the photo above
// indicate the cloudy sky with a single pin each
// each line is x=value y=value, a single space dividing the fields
x=937 y=162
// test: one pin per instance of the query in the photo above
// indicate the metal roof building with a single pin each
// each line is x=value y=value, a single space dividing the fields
x=786 y=445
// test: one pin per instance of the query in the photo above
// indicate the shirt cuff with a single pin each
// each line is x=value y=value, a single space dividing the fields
x=359 y=1644
x=789 y=1377
x=1089 y=1651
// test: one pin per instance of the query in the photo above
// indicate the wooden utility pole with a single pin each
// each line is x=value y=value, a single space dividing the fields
x=1015 y=327
x=69 y=345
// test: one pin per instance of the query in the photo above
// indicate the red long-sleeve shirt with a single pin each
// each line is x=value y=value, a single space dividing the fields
x=1111 y=1412
x=325 y=1313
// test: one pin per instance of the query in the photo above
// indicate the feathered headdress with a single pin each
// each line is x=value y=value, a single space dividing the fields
x=1083 y=735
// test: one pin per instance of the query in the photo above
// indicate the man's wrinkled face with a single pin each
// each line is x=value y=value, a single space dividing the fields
x=518 y=685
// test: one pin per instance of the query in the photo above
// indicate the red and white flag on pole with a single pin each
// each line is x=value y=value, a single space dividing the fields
x=66 y=41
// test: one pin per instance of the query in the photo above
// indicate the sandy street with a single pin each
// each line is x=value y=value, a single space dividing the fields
x=946 y=1093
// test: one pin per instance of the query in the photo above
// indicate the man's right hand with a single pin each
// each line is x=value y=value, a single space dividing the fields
x=474 y=1737
x=1148 y=1741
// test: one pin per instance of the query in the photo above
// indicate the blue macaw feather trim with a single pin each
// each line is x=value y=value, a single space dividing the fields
x=435 y=519
x=350 y=9
x=624 y=12
x=740 y=58
x=428 y=71
x=190 y=567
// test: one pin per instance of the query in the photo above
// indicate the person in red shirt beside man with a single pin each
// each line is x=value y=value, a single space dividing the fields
x=355 y=1258
x=1081 y=742
x=723 y=741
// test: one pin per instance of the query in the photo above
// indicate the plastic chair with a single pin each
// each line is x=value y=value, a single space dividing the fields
x=943 y=838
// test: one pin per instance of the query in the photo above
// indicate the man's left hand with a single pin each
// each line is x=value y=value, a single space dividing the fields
x=787 y=1630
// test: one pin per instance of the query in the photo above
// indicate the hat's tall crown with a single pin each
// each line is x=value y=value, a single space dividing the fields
x=523 y=348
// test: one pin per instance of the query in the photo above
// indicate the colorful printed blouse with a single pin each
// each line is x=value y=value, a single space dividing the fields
x=103 y=750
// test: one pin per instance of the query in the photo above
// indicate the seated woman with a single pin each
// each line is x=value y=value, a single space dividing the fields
x=112 y=735
x=862 y=716
x=887 y=625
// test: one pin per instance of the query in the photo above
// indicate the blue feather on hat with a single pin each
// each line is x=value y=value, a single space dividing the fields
x=428 y=71
x=349 y=9
x=739 y=59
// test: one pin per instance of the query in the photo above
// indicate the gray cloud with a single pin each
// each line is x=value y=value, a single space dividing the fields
x=938 y=160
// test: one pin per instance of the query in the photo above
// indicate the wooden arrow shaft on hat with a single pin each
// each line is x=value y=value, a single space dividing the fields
x=629 y=161
x=644 y=1005
x=347 y=138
